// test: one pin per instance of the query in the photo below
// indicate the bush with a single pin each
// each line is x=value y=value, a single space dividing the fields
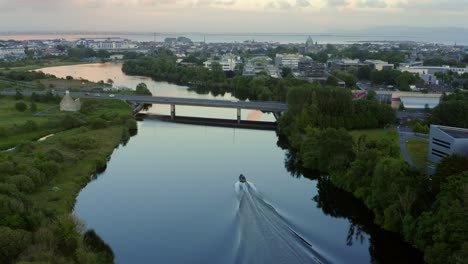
x=33 y=107
x=97 y=123
x=93 y=242
x=82 y=142
x=21 y=107
x=22 y=182
x=54 y=155
x=29 y=126
x=12 y=243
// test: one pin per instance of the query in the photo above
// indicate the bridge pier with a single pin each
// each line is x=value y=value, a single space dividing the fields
x=238 y=115
x=172 y=111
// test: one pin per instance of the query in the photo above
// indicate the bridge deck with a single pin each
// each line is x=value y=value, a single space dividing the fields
x=263 y=106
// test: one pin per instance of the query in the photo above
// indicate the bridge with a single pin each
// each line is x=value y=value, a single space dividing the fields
x=274 y=107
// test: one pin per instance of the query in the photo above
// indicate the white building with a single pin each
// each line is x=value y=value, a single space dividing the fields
x=12 y=52
x=227 y=62
x=445 y=141
x=433 y=69
x=107 y=43
x=288 y=60
x=379 y=65
x=69 y=105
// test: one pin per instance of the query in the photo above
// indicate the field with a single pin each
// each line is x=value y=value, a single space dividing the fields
x=11 y=118
x=418 y=149
x=376 y=134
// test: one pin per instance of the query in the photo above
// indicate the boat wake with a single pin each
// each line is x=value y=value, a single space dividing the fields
x=265 y=236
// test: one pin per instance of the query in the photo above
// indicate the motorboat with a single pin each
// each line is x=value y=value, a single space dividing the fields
x=242 y=178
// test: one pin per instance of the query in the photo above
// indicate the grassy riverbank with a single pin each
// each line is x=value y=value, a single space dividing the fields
x=16 y=126
x=39 y=182
x=37 y=64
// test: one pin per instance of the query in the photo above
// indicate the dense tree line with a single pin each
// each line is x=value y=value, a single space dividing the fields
x=431 y=215
x=324 y=107
x=452 y=111
x=26 y=75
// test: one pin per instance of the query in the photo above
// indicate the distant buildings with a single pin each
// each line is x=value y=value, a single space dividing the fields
x=107 y=43
x=288 y=60
x=68 y=104
x=311 y=71
x=446 y=141
x=311 y=47
x=345 y=64
x=228 y=62
x=432 y=69
x=379 y=65
x=12 y=52
x=261 y=64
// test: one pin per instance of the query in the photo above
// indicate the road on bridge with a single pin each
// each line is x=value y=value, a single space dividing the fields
x=236 y=104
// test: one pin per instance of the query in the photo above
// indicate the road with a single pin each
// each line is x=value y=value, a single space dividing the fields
x=262 y=106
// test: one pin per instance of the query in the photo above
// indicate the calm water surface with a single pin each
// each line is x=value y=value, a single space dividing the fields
x=170 y=196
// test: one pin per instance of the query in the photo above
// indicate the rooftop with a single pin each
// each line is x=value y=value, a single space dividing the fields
x=454 y=131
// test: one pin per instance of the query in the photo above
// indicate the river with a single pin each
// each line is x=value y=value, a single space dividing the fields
x=171 y=195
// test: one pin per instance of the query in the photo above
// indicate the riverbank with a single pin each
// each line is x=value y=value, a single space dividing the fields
x=43 y=64
x=42 y=179
x=368 y=164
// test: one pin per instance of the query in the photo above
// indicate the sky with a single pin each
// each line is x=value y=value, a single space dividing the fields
x=242 y=16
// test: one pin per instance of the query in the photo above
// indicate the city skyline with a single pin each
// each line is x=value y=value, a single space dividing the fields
x=231 y=16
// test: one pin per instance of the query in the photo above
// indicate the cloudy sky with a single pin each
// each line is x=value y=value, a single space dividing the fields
x=227 y=15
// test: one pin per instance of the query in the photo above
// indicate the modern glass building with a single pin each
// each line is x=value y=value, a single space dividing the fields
x=446 y=141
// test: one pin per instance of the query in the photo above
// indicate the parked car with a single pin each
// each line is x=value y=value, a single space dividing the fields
x=97 y=95
x=111 y=95
x=86 y=94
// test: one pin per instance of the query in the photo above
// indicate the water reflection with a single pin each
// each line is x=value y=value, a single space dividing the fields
x=384 y=247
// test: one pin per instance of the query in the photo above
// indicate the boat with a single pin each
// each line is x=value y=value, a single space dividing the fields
x=242 y=178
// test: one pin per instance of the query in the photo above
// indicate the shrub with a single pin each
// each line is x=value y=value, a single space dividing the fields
x=93 y=242
x=22 y=182
x=97 y=123
x=12 y=243
x=29 y=126
x=54 y=155
x=21 y=107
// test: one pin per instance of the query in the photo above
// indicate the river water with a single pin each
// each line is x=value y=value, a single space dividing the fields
x=171 y=195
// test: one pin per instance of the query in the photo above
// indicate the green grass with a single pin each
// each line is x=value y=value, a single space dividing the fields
x=77 y=168
x=377 y=134
x=417 y=149
x=10 y=117
x=78 y=164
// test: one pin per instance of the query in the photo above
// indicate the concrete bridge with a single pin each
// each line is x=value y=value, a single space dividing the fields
x=274 y=107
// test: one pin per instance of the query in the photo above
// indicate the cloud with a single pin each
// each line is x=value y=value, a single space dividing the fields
x=372 y=3
x=302 y=3
x=434 y=5
x=337 y=3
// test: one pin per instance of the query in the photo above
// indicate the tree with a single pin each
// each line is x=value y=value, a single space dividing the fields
x=69 y=77
x=142 y=89
x=12 y=243
x=18 y=95
x=285 y=71
x=33 y=107
x=110 y=81
x=449 y=166
x=21 y=107
x=364 y=73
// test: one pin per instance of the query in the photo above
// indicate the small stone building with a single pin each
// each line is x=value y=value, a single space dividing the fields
x=68 y=104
